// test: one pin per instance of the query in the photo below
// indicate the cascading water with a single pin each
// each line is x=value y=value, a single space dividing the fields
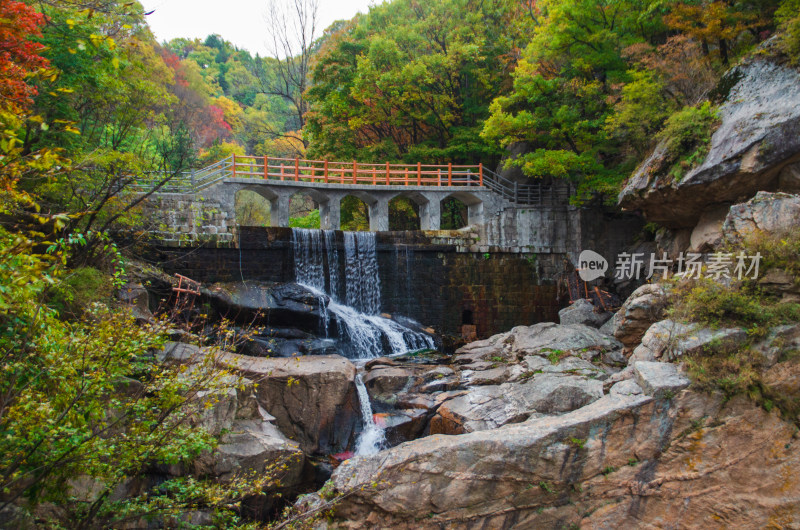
x=333 y=264
x=361 y=272
x=372 y=437
x=369 y=335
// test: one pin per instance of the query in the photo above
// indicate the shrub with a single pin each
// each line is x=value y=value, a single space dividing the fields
x=733 y=370
x=687 y=134
x=86 y=398
x=78 y=289
x=788 y=15
x=743 y=303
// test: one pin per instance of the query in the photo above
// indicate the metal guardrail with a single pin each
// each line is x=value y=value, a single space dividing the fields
x=363 y=174
x=527 y=194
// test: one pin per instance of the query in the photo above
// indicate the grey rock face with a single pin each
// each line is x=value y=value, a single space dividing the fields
x=489 y=407
x=479 y=474
x=767 y=212
x=668 y=340
x=659 y=379
x=644 y=307
x=255 y=446
x=583 y=312
x=780 y=340
x=628 y=387
x=759 y=134
x=313 y=399
x=547 y=337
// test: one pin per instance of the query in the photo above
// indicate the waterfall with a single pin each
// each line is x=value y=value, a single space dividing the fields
x=309 y=267
x=363 y=285
x=369 y=335
x=333 y=264
x=372 y=437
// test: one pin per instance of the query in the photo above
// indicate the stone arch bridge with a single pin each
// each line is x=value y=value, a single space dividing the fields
x=204 y=201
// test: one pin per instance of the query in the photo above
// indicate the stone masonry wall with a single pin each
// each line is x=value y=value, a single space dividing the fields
x=188 y=218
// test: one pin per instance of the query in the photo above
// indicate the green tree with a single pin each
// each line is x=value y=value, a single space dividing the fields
x=559 y=104
x=409 y=81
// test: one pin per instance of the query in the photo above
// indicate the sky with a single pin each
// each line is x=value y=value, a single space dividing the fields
x=241 y=22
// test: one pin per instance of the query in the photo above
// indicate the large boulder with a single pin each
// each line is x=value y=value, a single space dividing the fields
x=668 y=340
x=549 y=338
x=313 y=399
x=481 y=350
x=489 y=407
x=659 y=379
x=642 y=308
x=254 y=446
x=758 y=136
x=259 y=303
x=582 y=311
x=766 y=212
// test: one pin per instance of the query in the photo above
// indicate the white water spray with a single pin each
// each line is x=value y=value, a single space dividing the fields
x=359 y=321
x=372 y=437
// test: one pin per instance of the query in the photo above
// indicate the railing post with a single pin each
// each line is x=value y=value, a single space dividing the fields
x=439 y=176
x=355 y=172
x=266 y=167
x=374 y=176
x=419 y=173
x=516 y=192
x=388 y=174
x=296 y=168
x=406 y=176
x=191 y=176
x=480 y=174
x=326 y=172
x=234 y=166
x=449 y=173
x=282 y=171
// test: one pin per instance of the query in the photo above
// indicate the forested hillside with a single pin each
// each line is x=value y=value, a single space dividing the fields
x=581 y=89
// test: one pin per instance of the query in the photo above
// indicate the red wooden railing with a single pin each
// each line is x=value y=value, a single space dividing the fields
x=324 y=171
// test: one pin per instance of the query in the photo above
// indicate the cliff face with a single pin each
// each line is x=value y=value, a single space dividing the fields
x=756 y=148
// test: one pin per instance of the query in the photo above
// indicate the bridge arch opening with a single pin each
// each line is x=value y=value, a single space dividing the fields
x=253 y=207
x=460 y=209
x=355 y=212
x=404 y=213
x=304 y=209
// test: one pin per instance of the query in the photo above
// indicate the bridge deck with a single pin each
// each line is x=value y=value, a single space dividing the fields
x=364 y=176
x=355 y=173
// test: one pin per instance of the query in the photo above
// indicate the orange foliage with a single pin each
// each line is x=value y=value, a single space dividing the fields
x=19 y=57
x=687 y=73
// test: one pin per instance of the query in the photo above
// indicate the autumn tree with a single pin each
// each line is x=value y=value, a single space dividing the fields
x=410 y=81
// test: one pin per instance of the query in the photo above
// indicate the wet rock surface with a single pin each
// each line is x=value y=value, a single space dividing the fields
x=531 y=371
x=259 y=303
